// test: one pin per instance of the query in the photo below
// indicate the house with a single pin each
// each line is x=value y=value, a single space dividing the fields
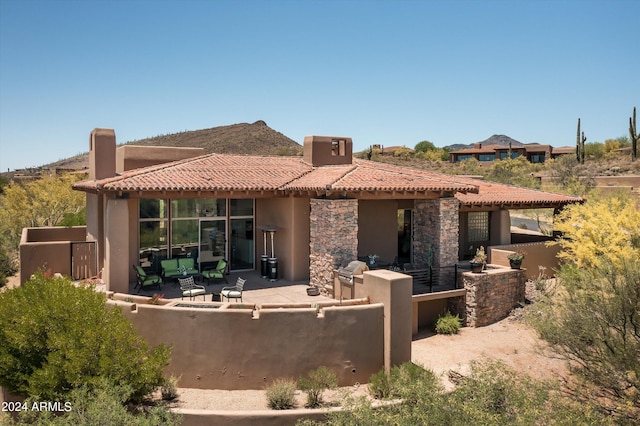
x=535 y=153
x=327 y=208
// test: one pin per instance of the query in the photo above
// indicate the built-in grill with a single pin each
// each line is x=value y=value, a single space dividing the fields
x=356 y=267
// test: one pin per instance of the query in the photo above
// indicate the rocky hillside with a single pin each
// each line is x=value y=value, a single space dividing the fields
x=243 y=138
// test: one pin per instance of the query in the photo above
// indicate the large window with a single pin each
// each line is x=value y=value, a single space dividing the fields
x=486 y=157
x=153 y=232
x=478 y=226
x=197 y=228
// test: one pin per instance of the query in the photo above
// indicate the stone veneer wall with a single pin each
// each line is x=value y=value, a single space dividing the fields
x=333 y=238
x=492 y=294
x=435 y=235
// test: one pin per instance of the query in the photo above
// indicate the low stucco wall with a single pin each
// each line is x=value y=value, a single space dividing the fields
x=538 y=255
x=48 y=248
x=229 y=346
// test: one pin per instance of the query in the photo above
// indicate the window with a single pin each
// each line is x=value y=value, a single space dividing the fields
x=504 y=155
x=152 y=232
x=338 y=147
x=486 y=157
x=537 y=158
x=478 y=226
x=462 y=157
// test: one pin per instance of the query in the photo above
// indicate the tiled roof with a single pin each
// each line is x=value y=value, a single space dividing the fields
x=218 y=172
x=223 y=172
x=507 y=195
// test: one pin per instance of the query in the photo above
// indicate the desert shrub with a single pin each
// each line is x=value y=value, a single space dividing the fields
x=591 y=319
x=316 y=382
x=491 y=395
x=379 y=385
x=169 y=388
x=280 y=394
x=448 y=324
x=100 y=404
x=55 y=337
x=7 y=267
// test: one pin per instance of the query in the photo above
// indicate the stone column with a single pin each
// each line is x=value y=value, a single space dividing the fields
x=435 y=234
x=333 y=238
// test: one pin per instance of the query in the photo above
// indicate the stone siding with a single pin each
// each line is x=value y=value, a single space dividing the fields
x=492 y=294
x=333 y=238
x=435 y=235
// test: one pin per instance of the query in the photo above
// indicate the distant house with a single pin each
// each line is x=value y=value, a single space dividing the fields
x=535 y=153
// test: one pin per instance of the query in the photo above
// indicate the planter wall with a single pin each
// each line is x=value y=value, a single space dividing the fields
x=492 y=294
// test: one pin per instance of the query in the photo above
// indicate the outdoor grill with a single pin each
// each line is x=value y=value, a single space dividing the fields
x=356 y=267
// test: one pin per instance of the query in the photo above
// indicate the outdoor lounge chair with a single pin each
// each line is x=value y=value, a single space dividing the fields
x=145 y=280
x=216 y=273
x=189 y=288
x=234 y=292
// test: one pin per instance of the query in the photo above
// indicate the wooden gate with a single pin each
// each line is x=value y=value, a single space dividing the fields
x=83 y=260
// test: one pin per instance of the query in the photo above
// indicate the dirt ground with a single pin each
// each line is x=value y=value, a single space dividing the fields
x=509 y=340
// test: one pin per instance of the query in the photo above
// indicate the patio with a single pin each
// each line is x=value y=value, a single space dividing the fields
x=257 y=290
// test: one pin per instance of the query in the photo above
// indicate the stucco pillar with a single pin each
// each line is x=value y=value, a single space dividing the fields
x=500 y=227
x=116 y=236
x=393 y=290
x=333 y=238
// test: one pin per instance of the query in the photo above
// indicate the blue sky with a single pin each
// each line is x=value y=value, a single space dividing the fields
x=387 y=72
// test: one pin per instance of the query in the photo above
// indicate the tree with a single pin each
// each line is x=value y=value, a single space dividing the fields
x=594 y=150
x=593 y=321
x=43 y=202
x=517 y=171
x=601 y=231
x=569 y=176
x=56 y=337
x=592 y=318
x=424 y=146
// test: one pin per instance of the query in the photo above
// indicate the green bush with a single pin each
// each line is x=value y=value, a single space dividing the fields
x=55 y=337
x=448 y=324
x=379 y=385
x=491 y=395
x=101 y=404
x=7 y=267
x=169 y=389
x=280 y=394
x=316 y=383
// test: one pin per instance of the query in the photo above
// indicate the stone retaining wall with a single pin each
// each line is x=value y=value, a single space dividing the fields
x=492 y=293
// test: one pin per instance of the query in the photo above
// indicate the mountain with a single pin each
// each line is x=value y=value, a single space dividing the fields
x=493 y=140
x=243 y=138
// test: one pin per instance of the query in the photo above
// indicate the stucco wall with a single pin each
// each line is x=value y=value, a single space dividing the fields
x=291 y=217
x=227 y=348
x=539 y=257
x=48 y=248
x=492 y=293
x=378 y=228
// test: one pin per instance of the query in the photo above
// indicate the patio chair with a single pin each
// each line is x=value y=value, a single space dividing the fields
x=234 y=292
x=189 y=288
x=216 y=273
x=145 y=280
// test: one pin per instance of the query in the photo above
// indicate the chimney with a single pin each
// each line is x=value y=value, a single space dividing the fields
x=477 y=145
x=327 y=150
x=102 y=154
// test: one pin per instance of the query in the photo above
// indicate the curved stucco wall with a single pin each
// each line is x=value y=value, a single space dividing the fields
x=228 y=346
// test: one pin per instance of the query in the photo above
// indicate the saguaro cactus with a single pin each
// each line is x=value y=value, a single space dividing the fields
x=580 y=145
x=633 y=134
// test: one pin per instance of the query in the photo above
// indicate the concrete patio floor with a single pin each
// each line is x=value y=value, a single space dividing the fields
x=257 y=290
